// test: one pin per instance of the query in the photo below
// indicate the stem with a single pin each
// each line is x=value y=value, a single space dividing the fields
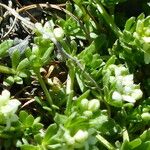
x=44 y=87
x=69 y=87
x=7 y=70
x=105 y=142
x=107 y=18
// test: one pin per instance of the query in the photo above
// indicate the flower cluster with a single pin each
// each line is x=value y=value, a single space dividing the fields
x=142 y=35
x=89 y=107
x=49 y=31
x=120 y=85
x=78 y=140
x=8 y=108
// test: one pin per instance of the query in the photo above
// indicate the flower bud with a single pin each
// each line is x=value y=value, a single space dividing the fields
x=4 y=97
x=59 y=33
x=146 y=116
x=81 y=136
x=84 y=103
x=93 y=105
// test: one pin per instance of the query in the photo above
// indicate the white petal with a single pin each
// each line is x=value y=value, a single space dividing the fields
x=116 y=96
x=128 y=98
x=146 y=39
x=137 y=94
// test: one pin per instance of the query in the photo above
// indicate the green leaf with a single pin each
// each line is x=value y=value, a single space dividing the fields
x=110 y=61
x=9 y=81
x=135 y=143
x=38 y=138
x=51 y=131
x=23 y=64
x=145 y=136
x=129 y=23
x=29 y=147
x=60 y=119
x=22 y=116
x=29 y=121
x=15 y=58
x=46 y=55
x=5 y=46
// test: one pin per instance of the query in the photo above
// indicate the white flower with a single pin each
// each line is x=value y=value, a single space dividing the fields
x=117 y=71
x=128 y=98
x=81 y=136
x=116 y=96
x=4 y=97
x=11 y=107
x=68 y=138
x=93 y=105
x=128 y=89
x=137 y=94
x=59 y=33
x=127 y=80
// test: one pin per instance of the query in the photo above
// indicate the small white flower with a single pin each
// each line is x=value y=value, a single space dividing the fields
x=59 y=33
x=116 y=96
x=128 y=98
x=127 y=80
x=11 y=107
x=4 y=97
x=117 y=71
x=128 y=89
x=137 y=94
x=68 y=138
x=93 y=105
x=81 y=136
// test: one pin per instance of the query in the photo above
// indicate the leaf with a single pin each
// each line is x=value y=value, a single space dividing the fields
x=110 y=61
x=135 y=143
x=129 y=23
x=23 y=64
x=145 y=136
x=15 y=58
x=29 y=121
x=9 y=81
x=22 y=116
x=60 y=119
x=46 y=55
x=5 y=46
x=29 y=147
x=51 y=130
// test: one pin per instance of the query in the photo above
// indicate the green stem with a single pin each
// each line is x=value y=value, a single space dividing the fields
x=6 y=70
x=105 y=142
x=44 y=87
x=69 y=86
x=107 y=18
